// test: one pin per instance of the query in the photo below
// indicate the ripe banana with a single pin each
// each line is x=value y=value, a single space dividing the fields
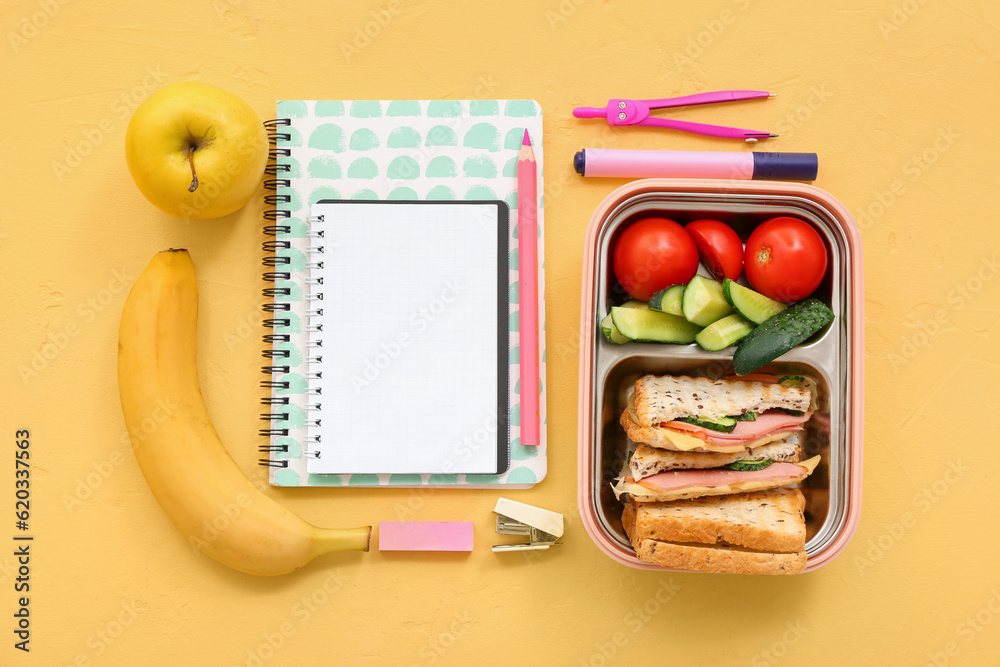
x=192 y=476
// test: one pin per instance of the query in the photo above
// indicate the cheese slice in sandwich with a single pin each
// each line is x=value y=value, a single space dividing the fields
x=695 y=483
x=656 y=404
x=748 y=533
x=647 y=461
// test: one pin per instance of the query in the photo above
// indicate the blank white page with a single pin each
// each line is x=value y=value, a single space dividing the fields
x=410 y=375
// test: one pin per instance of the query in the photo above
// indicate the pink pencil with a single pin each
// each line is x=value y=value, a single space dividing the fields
x=527 y=266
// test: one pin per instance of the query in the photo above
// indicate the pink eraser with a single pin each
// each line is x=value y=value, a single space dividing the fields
x=425 y=536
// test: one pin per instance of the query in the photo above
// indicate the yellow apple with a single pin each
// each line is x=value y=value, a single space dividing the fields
x=196 y=151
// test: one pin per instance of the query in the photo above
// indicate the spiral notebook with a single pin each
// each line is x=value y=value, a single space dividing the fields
x=393 y=294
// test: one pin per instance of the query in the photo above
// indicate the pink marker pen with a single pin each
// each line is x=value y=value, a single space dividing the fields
x=621 y=163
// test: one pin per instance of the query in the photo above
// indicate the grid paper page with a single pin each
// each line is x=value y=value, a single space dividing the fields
x=409 y=371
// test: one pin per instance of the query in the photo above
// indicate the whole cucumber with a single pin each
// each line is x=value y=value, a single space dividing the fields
x=780 y=333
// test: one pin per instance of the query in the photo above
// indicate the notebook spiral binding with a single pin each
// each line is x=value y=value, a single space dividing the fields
x=277 y=312
x=272 y=306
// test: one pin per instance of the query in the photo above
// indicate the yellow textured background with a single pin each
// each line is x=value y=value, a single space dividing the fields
x=900 y=101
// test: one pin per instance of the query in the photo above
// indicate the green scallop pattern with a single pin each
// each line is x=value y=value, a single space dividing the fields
x=403 y=166
x=363 y=140
x=329 y=137
x=444 y=109
x=292 y=109
x=440 y=167
x=484 y=136
x=328 y=109
x=441 y=135
x=403 y=137
x=480 y=166
x=442 y=150
x=363 y=167
x=366 y=109
x=403 y=194
x=325 y=167
x=484 y=108
x=441 y=193
x=403 y=108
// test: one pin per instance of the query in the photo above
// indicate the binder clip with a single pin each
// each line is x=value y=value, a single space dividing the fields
x=542 y=527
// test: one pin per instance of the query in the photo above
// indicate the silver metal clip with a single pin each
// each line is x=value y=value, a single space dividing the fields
x=542 y=527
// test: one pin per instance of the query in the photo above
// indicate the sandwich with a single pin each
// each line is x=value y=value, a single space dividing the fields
x=688 y=414
x=762 y=532
x=698 y=437
x=710 y=471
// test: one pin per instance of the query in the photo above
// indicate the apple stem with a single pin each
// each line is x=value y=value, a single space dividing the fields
x=194 y=176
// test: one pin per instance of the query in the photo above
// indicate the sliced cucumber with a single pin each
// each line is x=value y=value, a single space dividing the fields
x=723 y=333
x=746 y=417
x=724 y=424
x=779 y=334
x=634 y=303
x=703 y=301
x=639 y=324
x=668 y=300
x=792 y=381
x=611 y=332
x=752 y=305
x=746 y=466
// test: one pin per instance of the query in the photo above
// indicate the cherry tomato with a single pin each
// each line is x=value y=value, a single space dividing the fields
x=785 y=259
x=654 y=253
x=719 y=246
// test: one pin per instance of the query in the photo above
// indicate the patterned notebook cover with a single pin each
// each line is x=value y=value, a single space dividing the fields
x=394 y=150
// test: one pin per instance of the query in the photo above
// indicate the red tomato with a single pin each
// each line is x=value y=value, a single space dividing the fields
x=785 y=259
x=719 y=246
x=654 y=253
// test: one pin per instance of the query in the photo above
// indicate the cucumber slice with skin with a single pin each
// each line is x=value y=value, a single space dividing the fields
x=723 y=333
x=750 y=465
x=668 y=300
x=634 y=303
x=746 y=417
x=779 y=334
x=723 y=424
x=654 y=326
x=703 y=301
x=792 y=381
x=611 y=332
x=752 y=305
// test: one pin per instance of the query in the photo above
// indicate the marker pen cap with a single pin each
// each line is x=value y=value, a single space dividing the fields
x=785 y=166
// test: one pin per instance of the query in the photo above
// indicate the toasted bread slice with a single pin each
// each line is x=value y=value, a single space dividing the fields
x=719 y=560
x=661 y=399
x=770 y=520
x=648 y=460
x=750 y=533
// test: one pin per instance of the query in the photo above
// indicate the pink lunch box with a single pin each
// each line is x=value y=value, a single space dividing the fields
x=835 y=356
